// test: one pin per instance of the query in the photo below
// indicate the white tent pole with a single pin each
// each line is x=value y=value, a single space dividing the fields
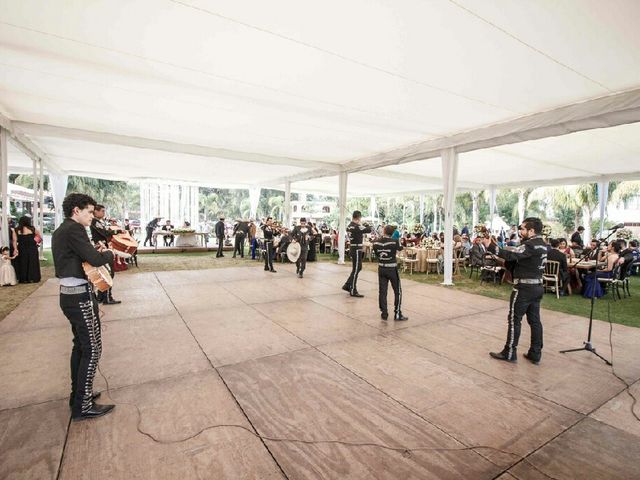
x=521 y=206
x=435 y=214
x=41 y=203
x=474 y=209
x=422 y=209
x=287 y=204
x=195 y=205
x=372 y=208
x=603 y=197
x=34 y=208
x=4 y=188
x=492 y=205
x=342 y=208
x=143 y=212
x=449 y=176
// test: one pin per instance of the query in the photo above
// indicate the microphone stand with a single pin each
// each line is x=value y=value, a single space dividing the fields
x=588 y=346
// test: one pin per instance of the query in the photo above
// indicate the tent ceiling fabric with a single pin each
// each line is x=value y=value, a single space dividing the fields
x=281 y=89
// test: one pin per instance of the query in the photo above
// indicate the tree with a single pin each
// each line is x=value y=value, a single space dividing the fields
x=624 y=192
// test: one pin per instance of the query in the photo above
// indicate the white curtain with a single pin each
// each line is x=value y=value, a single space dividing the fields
x=59 y=183
x=254 y=200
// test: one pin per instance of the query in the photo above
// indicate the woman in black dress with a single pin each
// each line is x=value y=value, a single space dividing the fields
x=28 y=259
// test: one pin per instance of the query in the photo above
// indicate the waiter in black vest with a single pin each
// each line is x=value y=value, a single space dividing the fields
x=220 y=236
x=355 y=232
x=528 y=266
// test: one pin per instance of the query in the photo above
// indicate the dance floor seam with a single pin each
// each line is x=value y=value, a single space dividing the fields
x=324 y=387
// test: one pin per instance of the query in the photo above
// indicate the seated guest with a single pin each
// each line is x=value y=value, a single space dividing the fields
x=590 y=251
x=477 y=252
x=627 y=255
x=396 y=233
x=168 y=239
x=513 y=240
x=568 y=251
x=500 y=241
x=635 y=252
x=557 y=255
x=491 y=244
x=457 y=242
x=610 y=258
x=466 y=244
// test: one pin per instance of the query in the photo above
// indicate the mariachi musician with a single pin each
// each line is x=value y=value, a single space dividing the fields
x=101 y=235
x=268 y=230
x=355 y=232
x=302 y=234
x=71 y=247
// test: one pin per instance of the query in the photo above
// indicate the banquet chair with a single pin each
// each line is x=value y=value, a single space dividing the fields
x=613 y=282
x=409 y=261
x=432 y=259
x=551 y=276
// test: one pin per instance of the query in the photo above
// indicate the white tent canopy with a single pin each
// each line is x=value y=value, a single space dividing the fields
x=246 y=94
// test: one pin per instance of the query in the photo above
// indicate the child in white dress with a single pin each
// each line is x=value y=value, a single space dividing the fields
x=7 y=273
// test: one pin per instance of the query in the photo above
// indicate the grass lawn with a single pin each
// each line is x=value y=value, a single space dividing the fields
x=626 y=311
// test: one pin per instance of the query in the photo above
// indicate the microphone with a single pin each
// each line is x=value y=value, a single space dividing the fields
x=617 y=227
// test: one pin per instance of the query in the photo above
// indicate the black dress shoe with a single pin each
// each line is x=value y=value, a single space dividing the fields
x=531 y=359
x=273 y=271
x=358 y=295
x=503 y=356
x=94 y=397
x=384 y=315
x=111 y=301
x=400 y=317
x=94 y=412
x=300 y=275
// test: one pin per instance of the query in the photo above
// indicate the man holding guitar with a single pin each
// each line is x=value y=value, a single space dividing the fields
x=70 y=246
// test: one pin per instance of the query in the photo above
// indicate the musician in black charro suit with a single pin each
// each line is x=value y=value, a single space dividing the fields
x=268 y=231
x=100 y=234
x=303 y=234
x=355 y=232
x=70 y=247
x=386 y=249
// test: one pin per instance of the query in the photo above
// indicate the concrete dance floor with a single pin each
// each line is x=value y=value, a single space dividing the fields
x=238 y=373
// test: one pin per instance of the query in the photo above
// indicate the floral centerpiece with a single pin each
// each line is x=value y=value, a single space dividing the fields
x=430 y=242
x=624 y=234
x=418 y=229
x=480 y=231
x=183 y=231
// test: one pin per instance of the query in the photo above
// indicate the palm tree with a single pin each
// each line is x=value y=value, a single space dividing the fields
x=625 y=191
x=276 y=207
